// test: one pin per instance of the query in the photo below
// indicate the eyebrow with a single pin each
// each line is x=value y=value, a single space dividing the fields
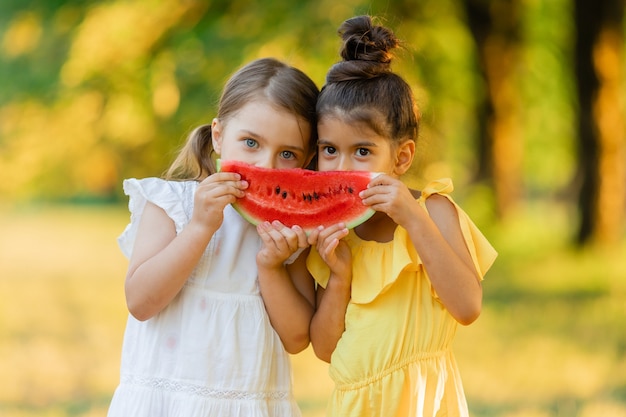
x=364 y=144
x=246 y=132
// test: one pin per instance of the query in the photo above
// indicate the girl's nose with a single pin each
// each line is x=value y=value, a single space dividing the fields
x=266 y=162
x=344 y=164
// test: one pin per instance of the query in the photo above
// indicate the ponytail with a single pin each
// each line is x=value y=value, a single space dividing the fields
x=196 y=159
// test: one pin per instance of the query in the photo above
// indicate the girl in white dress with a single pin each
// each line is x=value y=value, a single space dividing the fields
x=205 y=336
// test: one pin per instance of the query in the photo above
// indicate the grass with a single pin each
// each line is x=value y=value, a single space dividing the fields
x=550 y=340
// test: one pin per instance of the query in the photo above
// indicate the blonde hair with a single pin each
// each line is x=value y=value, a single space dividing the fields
x=282 y=85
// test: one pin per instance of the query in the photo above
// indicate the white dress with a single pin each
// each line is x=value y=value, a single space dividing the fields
x=212 y=350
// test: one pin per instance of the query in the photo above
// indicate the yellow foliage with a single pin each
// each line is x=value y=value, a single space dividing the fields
x=19 y=158
x=50 y=139
x=165 y=92
x=126 y=121
x=23 y=34
x=97 y=171
x=166 y=98
x=119 y=33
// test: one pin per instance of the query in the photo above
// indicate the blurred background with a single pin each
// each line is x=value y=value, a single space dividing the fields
x=523 y=105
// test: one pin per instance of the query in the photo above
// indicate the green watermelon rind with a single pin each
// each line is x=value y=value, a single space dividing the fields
x=350 y=224
x=360 y=220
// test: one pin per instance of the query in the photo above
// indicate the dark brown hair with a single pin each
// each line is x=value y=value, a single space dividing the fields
x=362 y=88
x=284 y=86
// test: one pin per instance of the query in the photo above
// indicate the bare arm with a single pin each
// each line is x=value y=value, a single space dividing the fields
x=289 y=299
x=161 y=260
x=328 y=323
x=439 y=242
x=288 y=291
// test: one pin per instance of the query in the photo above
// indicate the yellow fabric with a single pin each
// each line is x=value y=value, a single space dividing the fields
x=394 y=358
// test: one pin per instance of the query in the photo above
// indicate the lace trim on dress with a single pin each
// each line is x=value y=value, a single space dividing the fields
x=177 y=386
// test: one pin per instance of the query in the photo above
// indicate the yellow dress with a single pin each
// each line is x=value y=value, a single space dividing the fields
x=395 y=358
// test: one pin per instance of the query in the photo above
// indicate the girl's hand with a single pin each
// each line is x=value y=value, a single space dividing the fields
x=392 y=197
x=332 y=249
x=279 y=243
x=213 y=194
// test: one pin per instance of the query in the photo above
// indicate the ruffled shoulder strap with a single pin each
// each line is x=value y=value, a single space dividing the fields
x=483 y=254
x=174 y=197
x=441 y=186
x=388 y=260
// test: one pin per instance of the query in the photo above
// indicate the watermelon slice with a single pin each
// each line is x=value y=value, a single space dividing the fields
x=301 y=197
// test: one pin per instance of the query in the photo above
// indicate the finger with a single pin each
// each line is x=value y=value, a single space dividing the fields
x=372 y=190
x=329 y=249
x=215 y=192
x=376 y=181
x=328 y=239
x=284 y=239
x=374 y=199
x=205 y=200
x=327 y=231
x=263 y=231
x=221 y=177
x=301 y=236
x=338 y=235
x=289 y=233
x=224 y=179
x=314 y=235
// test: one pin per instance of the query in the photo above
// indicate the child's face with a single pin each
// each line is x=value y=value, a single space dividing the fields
x=263 y=135
x=352 y=147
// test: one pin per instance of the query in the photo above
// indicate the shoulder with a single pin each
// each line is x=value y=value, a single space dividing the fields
x=437 y=201
x=174 y=197
x=439 y=206
x=158 y=184
x=433 y=201
x=160 y=191
x=441 y=209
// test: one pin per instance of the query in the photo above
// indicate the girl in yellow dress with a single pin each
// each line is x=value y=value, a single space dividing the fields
x=392 y=291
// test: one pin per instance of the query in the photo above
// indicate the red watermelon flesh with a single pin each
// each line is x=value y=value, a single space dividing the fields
x=301 y=197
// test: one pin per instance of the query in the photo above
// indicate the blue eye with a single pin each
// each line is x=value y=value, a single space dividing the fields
x=251 y=143
x=287 y=155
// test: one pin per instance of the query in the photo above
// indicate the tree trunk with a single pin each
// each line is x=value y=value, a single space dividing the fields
x=601 y=137
x=494 y=25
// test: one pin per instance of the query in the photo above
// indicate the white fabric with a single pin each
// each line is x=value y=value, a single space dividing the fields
x=212 y=350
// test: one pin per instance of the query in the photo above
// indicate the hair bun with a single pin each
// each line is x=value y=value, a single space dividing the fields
x=362 y=40
x=366 y=50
